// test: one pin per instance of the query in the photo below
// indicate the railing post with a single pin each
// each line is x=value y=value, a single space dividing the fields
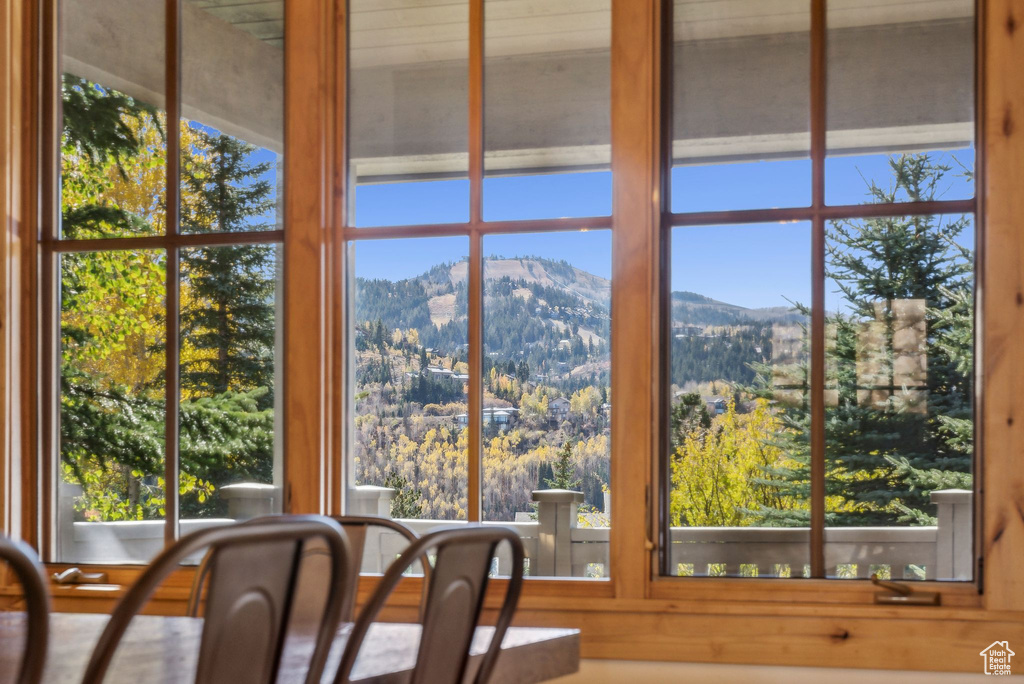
x=954 y=559
x=556 y=513
x=67 y=493
x=371 y=500
x=247 y=500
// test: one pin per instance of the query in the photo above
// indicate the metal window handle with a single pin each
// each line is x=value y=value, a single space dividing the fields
x=903 y=594
x=76 y=576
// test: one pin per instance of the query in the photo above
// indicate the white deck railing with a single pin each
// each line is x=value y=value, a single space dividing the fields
x=556 y=544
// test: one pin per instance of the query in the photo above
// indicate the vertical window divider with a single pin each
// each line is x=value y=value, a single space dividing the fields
x=39 y=479
x=474 y=413
x=172 y=275
x=817 y=386
x=339 y=360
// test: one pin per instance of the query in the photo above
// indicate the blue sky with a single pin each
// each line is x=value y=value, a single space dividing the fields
x=750 y=265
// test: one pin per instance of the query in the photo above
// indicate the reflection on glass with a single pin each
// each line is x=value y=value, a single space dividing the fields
x=111 y=406
x=113 y=144
x=232 y=133
x=547 y=109
x=410 y=339
x=739 y=497
x=547 y=402
x=230 y=460
x=900 y=80
x=899 y=414
x=741 y=102
x=408 y=119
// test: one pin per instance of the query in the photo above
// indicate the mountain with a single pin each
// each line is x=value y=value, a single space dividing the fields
x=544 y=272
x=690 y=308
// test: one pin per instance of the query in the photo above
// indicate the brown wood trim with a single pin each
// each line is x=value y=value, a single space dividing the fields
x=476 y=110
x=337 y=299
x=980 y=268
x=484 y=228
x=635 y=348
x=819 y=124
x=172 y=275
x=1002 y=300
x=827 y=213
x=474 y=499
x=40 y=390
x=178 y=241
x=309 y=113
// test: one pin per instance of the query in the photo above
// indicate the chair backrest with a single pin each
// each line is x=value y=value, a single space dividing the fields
x=455 y=597
x=357 y=526
x=252 y=580
x=22 y=560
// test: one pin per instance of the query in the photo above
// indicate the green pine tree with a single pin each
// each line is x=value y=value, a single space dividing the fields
x=889 y=445
x=229 y=319
x=564 y=473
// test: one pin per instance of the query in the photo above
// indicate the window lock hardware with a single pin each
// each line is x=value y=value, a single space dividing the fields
x=902 y=594
x=76 y=576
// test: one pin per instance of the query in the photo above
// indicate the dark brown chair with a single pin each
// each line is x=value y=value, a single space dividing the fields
x=22 y=560
x=252 y=581
x=451 y=613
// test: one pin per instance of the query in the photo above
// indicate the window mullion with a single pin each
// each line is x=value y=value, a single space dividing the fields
x=171 y=332
x=818 y=68
x=474 y=413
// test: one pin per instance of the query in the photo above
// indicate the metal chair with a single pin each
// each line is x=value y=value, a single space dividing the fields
x=252 y=581
x=356 y=527
x=453 y=604
x=22 y=559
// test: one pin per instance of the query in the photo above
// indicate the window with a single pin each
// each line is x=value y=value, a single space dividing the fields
x=821 y=327
x=163 y=274
x=478 y=324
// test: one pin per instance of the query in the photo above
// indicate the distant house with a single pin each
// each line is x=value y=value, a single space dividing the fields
x=504 y=418
x=558 y=409
x=436 y=372
x=716 y=405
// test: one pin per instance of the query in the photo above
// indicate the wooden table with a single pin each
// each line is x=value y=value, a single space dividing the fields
x=158 y=650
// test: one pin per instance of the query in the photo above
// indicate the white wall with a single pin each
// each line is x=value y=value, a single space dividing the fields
x=637 y=672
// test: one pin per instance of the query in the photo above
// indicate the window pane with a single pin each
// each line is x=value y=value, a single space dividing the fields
x=111 y=490
x=408 y=115
x=232 y=103
x=113 y=146
x=739 y=500
x=741 y=105
x=411 y=373
x=229 y=426
x=547 y=402
x=547 y=109
x=900 y=80
x=900 y=382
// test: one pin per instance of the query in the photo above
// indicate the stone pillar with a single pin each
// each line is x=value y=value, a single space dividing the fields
x=556 y=513
x=954 y=551
x=370 y=500
x=248 y=500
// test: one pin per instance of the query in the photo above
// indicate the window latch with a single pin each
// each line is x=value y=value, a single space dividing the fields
x=76 y=576
x=903 y=594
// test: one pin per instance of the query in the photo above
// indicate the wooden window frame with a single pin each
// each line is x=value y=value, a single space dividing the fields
x=51 y=246
x=635 y=615
x=817 y=214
